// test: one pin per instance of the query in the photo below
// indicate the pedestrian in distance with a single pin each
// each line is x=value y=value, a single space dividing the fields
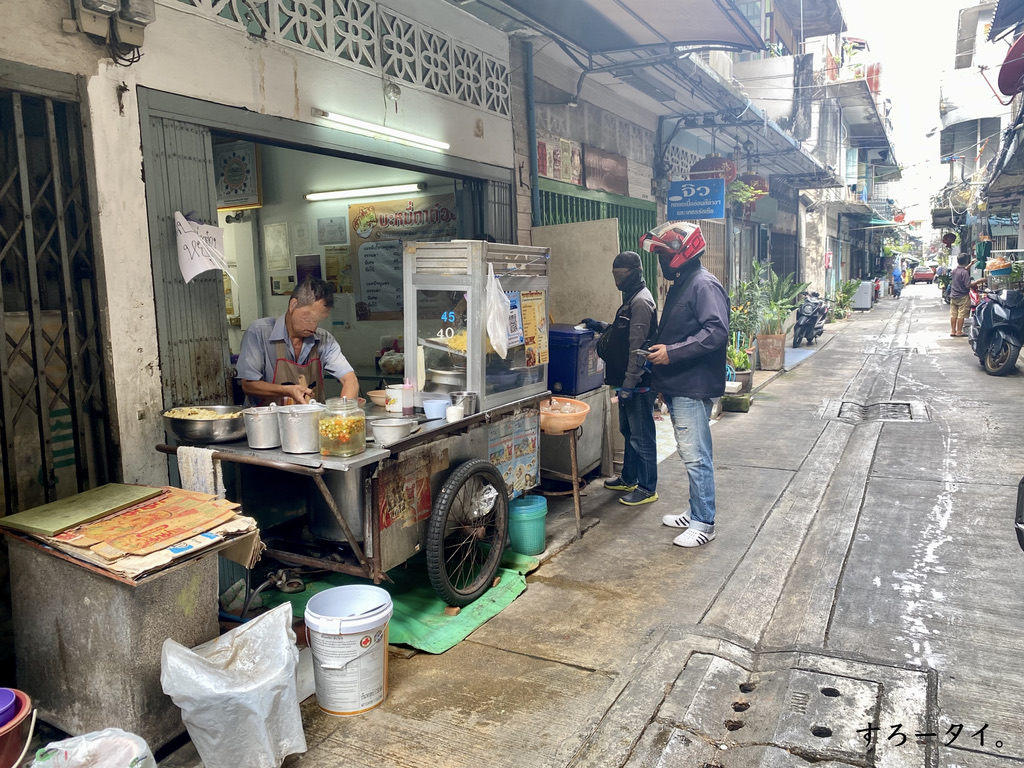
x=632 y=329
x=688 y=366
x=960 y=295
x=897 y=281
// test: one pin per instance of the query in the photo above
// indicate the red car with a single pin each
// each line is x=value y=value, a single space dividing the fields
x=922 y=274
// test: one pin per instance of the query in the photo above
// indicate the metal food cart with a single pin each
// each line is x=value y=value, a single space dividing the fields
x=445 y=489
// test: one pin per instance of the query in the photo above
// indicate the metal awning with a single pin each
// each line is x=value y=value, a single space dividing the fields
x=1008 y=14
x=860 y=111
x=816 y=18
x=616 y=26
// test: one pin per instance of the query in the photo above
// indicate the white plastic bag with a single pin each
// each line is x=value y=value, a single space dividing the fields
x=237 y=693
x=498 y=307
x=110 y=748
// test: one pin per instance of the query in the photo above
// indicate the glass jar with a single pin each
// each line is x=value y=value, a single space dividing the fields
x=342 y=428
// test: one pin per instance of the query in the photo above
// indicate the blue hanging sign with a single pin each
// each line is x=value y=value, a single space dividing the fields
x=696 y=200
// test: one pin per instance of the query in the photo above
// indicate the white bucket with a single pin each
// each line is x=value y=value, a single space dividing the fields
x=347 y=629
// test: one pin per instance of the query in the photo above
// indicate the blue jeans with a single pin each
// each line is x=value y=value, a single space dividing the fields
x=691 y=420
x=636 y=423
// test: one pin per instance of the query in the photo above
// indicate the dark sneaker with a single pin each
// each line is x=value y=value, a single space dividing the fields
x=618 y=484
x=637 y=497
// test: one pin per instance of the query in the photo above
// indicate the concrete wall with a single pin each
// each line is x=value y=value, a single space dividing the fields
x=188 y=54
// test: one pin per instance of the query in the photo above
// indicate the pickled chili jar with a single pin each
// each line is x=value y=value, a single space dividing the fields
x=342 y=428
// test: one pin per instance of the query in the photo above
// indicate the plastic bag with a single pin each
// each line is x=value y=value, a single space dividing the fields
x=237 y=693
x=110 y=748
x=498 y=308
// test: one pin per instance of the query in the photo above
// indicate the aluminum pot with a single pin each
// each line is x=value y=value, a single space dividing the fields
x=300 y=427
x=262 y=428
x=468 y=401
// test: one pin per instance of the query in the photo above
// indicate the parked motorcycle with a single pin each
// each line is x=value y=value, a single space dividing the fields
x=997 y=333
x=810 y=319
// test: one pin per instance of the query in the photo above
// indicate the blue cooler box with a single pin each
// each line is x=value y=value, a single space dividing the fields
x=573 y=364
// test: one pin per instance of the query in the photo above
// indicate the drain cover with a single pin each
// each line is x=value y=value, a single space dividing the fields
x=860 y=413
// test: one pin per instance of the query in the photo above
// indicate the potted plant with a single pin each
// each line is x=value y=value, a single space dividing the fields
x=739 y=359
x=771 y=337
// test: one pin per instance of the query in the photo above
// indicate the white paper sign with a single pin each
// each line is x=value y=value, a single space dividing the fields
x=198 y=251
x=380 y=275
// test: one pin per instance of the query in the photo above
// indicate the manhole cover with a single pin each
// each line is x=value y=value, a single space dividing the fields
x=860 y=413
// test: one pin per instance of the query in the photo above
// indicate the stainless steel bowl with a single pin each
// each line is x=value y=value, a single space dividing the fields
x=387 y=431
x=209 y=430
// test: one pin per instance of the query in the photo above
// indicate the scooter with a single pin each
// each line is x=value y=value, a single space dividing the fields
x=810 y=319
x=997 y=333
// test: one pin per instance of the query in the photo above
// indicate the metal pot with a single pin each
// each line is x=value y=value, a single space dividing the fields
x=205 y=431
x=262 y=429
x=300 y=428
x=468 y=401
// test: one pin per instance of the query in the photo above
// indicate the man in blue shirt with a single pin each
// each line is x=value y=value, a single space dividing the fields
x=897 y=281
x=283 y=358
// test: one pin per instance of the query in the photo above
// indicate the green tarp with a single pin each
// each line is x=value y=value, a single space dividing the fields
x=419 y=619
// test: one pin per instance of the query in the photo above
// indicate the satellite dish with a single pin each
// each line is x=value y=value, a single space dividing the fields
x=1012 y=72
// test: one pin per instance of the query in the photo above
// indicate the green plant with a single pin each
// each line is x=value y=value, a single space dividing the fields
x=783 y=290
x=741 y=192
x=748 y=302
x=774 y=321
x=737 y=358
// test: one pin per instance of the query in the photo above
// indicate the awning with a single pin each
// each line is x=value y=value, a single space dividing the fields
x=816 y=18
x=1008 y=14
x=605 y=26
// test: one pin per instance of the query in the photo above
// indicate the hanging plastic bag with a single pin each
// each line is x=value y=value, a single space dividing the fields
x=110 y=748
x=237 y=693
x=498 y=308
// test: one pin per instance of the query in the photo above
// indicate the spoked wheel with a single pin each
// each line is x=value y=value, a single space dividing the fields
x=467 y=531
x=1001 y=358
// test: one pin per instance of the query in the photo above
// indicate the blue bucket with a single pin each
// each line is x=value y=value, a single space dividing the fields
x=526 y=518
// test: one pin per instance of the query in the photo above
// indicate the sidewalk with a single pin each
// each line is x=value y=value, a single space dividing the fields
x=865 y=574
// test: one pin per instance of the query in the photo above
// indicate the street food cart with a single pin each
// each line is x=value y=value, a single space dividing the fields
x=445 y=488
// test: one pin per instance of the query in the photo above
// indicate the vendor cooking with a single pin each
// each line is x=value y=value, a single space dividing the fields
x=285 y=357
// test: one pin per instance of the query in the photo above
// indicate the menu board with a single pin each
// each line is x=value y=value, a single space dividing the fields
x=535 y=327
x=380 y=276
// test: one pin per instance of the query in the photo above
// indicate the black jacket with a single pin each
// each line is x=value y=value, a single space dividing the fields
x=632 y=327
x=695 y=329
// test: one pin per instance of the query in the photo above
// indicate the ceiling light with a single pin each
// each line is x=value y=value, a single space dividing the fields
x=343 y=194
x=363 y=128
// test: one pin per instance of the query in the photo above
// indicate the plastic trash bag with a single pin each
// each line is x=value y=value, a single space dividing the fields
x=110 y=748
x=498 y=308
x=237 y=693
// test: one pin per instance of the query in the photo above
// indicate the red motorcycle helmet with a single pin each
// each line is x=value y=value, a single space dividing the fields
x=675 y=244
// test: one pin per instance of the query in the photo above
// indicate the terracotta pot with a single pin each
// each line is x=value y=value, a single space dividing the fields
x=771 y=351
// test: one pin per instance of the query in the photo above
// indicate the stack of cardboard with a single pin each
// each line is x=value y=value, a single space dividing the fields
x=132 y=531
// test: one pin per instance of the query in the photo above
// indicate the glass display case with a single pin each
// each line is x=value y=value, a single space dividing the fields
x=445 y=289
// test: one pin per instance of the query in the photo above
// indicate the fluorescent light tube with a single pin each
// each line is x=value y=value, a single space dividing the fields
x=342 y=194
x=363 y=128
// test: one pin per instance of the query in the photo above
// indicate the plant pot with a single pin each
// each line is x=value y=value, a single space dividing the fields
x=771 y=350
x=746 y=378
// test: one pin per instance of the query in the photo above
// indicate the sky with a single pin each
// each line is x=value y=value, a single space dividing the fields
x=915 y=40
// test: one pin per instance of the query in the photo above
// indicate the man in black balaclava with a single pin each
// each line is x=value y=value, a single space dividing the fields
x=634 y=325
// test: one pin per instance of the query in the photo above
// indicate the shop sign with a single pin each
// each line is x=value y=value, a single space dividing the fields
x=704 y=199
x=606 y=171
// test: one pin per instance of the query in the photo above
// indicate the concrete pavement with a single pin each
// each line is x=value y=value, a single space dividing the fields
x=865 y=581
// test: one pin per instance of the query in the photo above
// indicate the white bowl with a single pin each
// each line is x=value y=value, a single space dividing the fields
x=387 y=431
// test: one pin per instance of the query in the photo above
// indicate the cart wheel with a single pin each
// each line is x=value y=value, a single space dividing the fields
x=464 y=545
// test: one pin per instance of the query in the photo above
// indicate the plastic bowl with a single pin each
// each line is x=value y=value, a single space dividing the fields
x=387 y=431
x=8 y=706
x=554 y=423
x=378 y=397
x=209 y=430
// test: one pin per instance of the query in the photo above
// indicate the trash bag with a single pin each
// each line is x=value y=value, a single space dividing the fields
x=237 y=693
x=498 y=307
x=110 y=748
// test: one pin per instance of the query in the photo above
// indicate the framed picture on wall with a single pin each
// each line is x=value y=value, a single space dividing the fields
x=237 y=165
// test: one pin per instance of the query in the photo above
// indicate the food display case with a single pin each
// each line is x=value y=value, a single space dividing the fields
x=445 y=294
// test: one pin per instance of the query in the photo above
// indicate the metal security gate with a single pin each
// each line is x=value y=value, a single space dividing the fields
x=192 y=326
x=54 y=417
x=635 y=218
x=485 y=208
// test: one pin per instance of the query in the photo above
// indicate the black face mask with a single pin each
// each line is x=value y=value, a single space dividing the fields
x=674 y=273
x=632 y=282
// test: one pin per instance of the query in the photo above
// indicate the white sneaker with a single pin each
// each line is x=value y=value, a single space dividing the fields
x=676 y=521
x=691 y=537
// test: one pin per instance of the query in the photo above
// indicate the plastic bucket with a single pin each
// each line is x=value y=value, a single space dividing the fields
x=261 y=427
x=14 y=735
x=526 y=518
x=347 y=629
x=300 y=428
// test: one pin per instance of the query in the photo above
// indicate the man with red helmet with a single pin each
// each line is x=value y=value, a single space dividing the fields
x=688 y=366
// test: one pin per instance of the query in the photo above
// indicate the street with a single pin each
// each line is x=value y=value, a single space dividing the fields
x=859 y=606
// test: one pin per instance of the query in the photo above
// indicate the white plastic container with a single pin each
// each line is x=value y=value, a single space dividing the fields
x=347 y=629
